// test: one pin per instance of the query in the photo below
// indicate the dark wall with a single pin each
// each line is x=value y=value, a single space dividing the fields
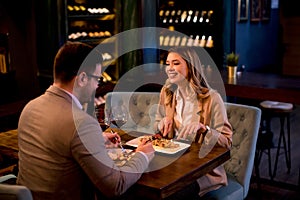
x=18 y=22
x=35 y=29
x=258 y=44
x=50 y=36
x=229 y=24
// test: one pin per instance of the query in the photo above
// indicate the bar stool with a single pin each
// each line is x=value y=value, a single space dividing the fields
x=272 y=109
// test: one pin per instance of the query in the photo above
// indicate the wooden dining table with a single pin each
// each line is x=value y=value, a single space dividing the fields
x=167 y=173
x=263 y=86
x=178 y=171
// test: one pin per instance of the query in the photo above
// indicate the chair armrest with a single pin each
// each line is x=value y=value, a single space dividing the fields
x=7 y=177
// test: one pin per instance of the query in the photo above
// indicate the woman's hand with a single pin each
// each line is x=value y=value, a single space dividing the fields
x=190 y=130
x=165 y=125
x=111 y=139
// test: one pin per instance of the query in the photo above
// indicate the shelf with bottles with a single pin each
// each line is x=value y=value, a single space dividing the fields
x=89 y=21
x=201 y=13
x=199 y=22
x=197 y=41
x=88 y=32
x=92 y=22
x=90 y=8
x=80 y=10
x=192 y=18
x=176 y=16
x=195 y=25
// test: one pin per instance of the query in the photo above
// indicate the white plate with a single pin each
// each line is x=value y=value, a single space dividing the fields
x=118 y=156
x=181 y=146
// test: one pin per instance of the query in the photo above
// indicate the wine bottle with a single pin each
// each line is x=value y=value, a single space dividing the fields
x=202 y=41
x=177 y=41
x=203 y=13
x=188 y=19
x=172 y=16
x=166 y=16
x=167 y=40
x=105 y=10
x=183 y=41
x=70 y=9
x=190 y=41
x=209 y=42
x=161 y=14
x=196 y=16
x=183 y=16
x=208 y=20
x=177 y=16
x=196 y=41
x=82 y=9
x=172 y=41
x=161 y=40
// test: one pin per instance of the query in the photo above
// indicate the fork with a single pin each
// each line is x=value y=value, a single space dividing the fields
x=120 y=144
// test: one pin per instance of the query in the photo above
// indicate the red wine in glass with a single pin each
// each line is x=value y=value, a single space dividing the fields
x=118 y=116
x=118 y=122
x=104 y=125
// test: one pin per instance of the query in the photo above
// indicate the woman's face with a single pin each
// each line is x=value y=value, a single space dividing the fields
x=176 y=69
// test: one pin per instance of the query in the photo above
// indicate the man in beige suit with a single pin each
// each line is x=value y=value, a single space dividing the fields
x=63 y=151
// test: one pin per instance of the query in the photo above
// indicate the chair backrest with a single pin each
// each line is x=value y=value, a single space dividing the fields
x=14 y=192
x=245 y=121
x=142 y=107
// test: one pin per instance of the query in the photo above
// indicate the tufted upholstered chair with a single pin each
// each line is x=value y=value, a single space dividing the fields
x=141 y=106
x=245 y=121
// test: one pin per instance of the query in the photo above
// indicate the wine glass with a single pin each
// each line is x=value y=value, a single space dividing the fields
x=102 y=117
x=118 y=116
x=104 y=125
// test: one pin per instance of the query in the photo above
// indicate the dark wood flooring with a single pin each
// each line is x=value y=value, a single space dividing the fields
x=285 y=185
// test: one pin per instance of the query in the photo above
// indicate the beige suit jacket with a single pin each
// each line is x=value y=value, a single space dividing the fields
x=62 y=152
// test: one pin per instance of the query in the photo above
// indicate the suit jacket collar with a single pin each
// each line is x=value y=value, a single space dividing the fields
x=64 y=94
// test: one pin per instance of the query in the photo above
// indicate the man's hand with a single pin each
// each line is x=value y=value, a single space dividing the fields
x=146 y=147
x=111 y=139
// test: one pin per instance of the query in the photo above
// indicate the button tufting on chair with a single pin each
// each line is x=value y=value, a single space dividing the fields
x=245 y=122
x=141 y=105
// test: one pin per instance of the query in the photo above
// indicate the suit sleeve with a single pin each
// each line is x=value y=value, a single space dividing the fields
x=89 y=151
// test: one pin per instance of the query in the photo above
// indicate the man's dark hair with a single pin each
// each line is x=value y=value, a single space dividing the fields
x=73 y=58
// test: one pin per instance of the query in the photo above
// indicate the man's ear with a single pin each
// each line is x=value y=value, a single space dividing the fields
x=82 y=79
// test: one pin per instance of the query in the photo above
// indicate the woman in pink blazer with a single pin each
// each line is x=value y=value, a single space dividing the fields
x=190 y=109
